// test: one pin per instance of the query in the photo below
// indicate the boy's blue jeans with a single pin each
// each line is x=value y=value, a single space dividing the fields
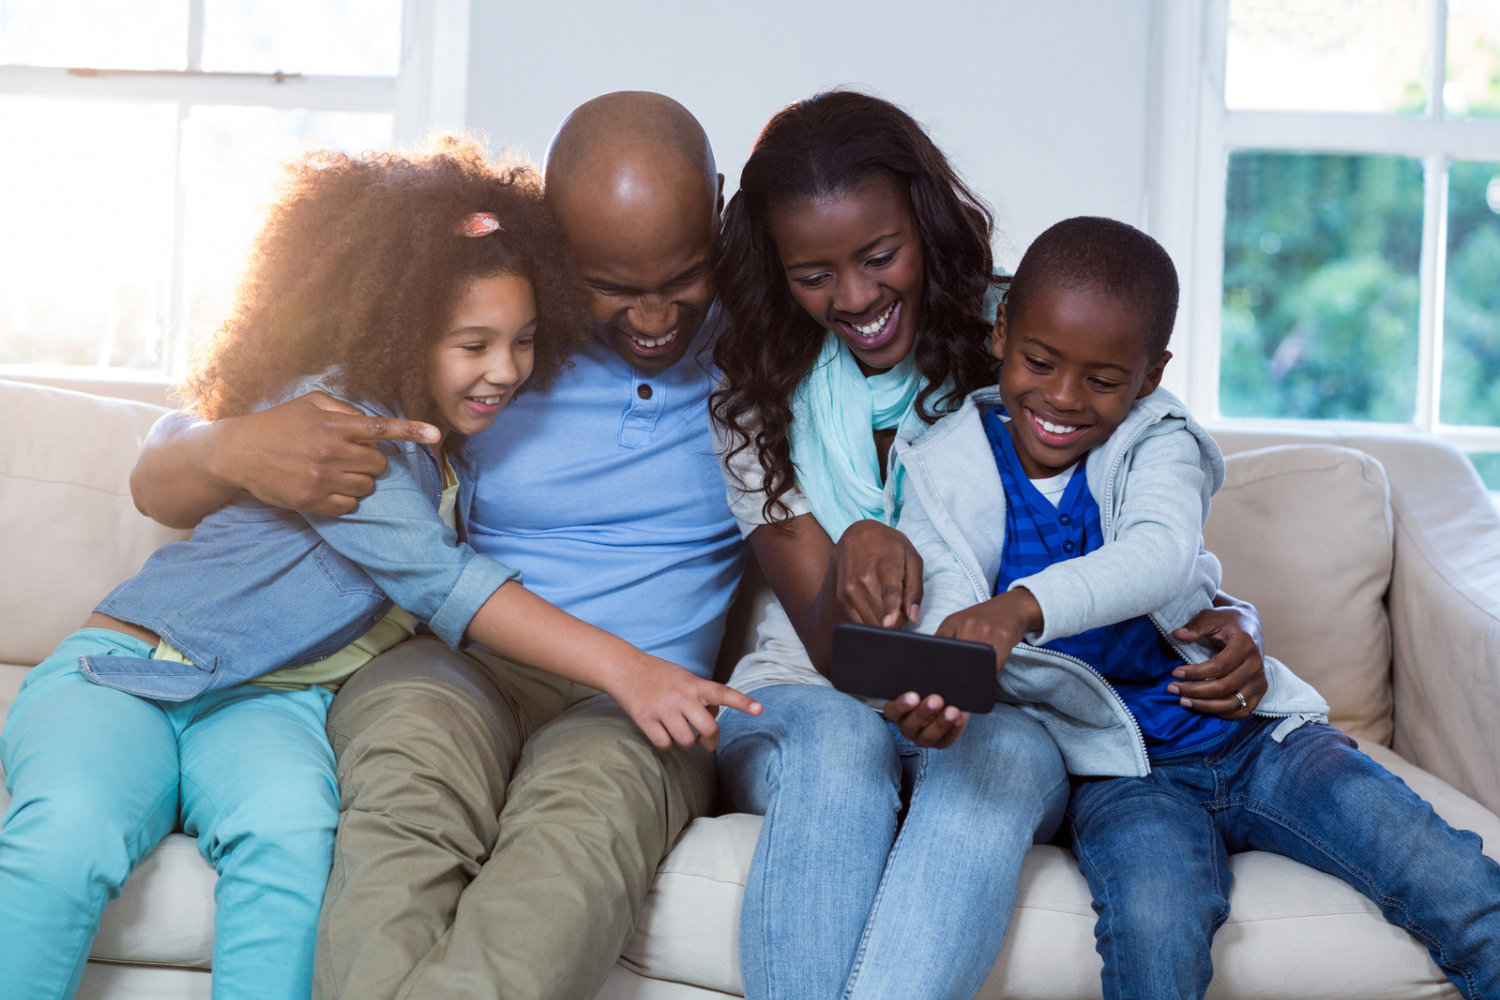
x=844 y=902
x=1155 y=851
x=98 y=776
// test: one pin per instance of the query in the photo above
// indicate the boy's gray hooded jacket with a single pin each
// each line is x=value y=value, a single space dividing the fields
x=1152 y=481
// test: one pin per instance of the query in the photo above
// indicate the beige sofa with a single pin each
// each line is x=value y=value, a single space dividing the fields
x=1387 y=600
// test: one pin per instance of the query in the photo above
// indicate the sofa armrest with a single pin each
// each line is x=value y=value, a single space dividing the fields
x=69 y=530
x=1445 y=616
x=1444 y=603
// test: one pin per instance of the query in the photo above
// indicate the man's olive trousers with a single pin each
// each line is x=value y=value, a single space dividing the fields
x=499 y=828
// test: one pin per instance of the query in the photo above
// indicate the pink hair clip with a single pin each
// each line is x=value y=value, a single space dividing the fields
x=478 y=224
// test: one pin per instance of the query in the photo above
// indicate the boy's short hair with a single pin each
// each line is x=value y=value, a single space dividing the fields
x=1110 y=256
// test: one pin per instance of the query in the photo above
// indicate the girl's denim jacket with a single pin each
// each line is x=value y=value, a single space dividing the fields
x=258 y=587
x=1152 y=480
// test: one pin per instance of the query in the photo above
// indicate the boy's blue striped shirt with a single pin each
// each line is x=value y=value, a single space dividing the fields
x=1132 y=655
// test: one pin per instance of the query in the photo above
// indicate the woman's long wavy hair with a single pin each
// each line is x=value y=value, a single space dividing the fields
x=830 y=144
x=358 y=266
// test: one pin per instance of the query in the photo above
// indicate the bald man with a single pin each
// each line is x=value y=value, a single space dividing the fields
x=500 y=827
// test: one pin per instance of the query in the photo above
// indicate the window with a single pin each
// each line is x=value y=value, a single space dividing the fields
x=1345 y=247
x=143 y=136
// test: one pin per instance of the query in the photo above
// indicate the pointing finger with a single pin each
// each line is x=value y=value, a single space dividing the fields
x=911 y=589
x=395 y=429
x=719 y=694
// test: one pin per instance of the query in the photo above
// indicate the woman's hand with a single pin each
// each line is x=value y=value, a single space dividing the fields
x=1233 y=628
x=671 y=705
x=926 y=722
x=876 y=576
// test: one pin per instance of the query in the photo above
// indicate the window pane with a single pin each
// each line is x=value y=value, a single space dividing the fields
x=1473 y=87
x=341 y=37
x=1471 y=303
x=1328 y=55
x=1487 y=463
x=119 y=34
x=85 y=230
x=1321 y=287
x=231 y=157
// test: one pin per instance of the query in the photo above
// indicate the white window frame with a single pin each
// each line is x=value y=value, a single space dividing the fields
x=1192 y=135
x=429 y=90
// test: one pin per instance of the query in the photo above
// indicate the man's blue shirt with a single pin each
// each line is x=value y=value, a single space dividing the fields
x=605 y=492
x=1132 y=655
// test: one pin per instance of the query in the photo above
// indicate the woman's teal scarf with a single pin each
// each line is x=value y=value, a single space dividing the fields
x=835 y=409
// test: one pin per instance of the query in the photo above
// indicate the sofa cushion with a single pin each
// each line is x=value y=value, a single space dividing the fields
x=1304 y=533
x=1292 y=931
x=70 y=528
x=165 y=913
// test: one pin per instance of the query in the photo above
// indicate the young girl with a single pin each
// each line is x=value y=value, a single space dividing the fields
x=429 y=287
x=856 y=270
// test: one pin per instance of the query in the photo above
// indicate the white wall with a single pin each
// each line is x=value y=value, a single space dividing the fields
x=1042 y=104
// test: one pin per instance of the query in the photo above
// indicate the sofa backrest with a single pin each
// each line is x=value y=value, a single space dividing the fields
x=1305 y=534
x=69 y=531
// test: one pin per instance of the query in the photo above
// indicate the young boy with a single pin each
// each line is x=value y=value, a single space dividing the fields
x=1059 y=520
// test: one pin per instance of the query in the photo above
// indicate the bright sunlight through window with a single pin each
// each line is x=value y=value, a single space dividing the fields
x=143 y=138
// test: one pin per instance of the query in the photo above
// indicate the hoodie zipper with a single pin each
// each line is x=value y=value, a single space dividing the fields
x=1107 y=509
x=1135 y=727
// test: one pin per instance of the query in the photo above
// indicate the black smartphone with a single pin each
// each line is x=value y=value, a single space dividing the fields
x=882 y=663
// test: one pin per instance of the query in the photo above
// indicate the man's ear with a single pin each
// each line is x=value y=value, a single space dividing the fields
x=1153 y=377
x=997 y=334
x=719 y=205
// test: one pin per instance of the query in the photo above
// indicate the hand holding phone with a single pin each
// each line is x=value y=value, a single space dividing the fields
x=927 y=722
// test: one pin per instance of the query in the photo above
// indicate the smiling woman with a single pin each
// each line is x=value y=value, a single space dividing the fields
x=874 y=218
x=854 y=261
x=855 y=269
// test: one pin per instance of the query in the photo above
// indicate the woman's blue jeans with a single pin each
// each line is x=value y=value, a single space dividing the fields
x=1155 y=853
x=847 y=899
x=98 y=776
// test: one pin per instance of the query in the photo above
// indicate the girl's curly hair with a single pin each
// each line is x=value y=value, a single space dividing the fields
x=358 y=266
x=830 y=144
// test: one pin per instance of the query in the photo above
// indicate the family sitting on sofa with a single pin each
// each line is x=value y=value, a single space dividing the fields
x=418 y=776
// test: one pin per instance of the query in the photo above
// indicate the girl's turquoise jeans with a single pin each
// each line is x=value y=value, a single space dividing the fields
x=97 y=777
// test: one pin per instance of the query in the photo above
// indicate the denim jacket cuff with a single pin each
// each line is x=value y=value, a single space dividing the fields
x=480 y=578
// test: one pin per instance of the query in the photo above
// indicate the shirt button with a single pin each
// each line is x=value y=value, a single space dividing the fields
x=1067 y=546
x=1064 y=519
x=377 y=616
x=643 y=390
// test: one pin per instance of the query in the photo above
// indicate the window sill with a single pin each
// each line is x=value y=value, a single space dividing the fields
x=1466 y=438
